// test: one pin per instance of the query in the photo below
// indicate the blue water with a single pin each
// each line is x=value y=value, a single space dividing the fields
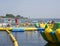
x=29 y=38
x=32 y=20
x=5 y=39
x=45 y=19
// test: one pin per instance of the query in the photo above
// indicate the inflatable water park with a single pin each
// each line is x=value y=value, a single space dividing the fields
x=17 y=29
x=9 y=29
x=49 y=31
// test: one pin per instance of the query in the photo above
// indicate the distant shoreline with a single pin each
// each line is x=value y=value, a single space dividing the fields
x=12 y=16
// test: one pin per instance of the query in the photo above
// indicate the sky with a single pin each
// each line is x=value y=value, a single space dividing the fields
x=31 y=8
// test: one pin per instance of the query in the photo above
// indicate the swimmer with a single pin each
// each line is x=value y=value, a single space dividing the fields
x=16 y=22
x=9 y=23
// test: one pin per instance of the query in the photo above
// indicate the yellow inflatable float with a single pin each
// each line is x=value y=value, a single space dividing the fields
x=51 y=33
x=5 y=28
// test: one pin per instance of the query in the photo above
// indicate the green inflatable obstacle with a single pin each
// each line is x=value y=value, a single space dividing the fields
x=37 y=25
x=40 y=25
x=51 y=34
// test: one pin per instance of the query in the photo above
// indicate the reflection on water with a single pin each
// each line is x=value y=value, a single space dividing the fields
x=5 y=39
x=29 y=38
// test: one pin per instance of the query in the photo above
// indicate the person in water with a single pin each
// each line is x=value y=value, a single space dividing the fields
x=51 y=24
x=16 y=22
x=9 y=23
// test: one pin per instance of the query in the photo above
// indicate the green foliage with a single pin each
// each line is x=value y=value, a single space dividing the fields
x=18 y=16
x=10 y=15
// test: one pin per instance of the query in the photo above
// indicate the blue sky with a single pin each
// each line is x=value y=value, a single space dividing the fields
x=32 y=8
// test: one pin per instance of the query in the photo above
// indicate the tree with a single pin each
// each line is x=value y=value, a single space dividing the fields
x=18 y=16
x=10 y=15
